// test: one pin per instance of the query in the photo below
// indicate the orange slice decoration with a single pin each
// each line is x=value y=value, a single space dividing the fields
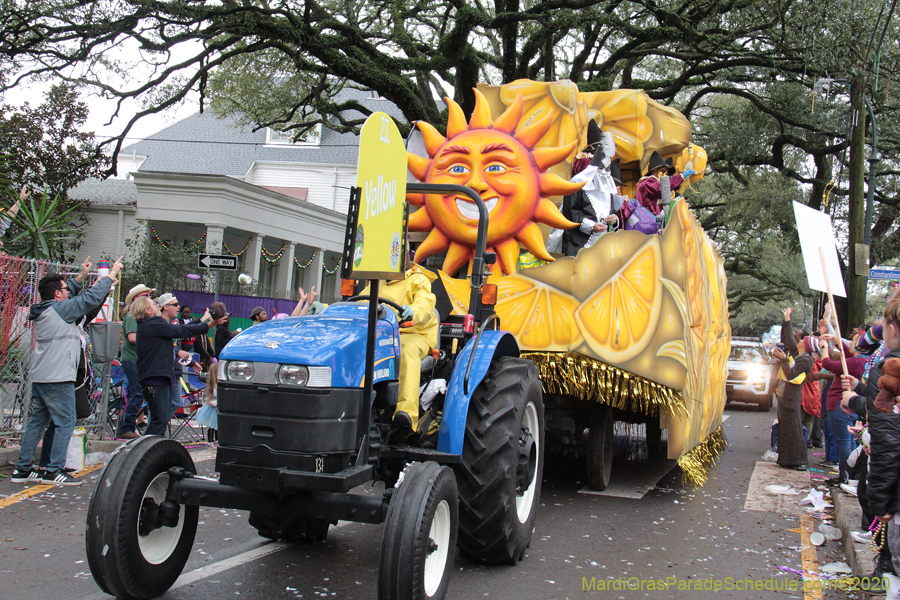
x=619 y=320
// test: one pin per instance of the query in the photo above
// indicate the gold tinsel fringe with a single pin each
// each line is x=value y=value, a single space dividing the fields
x=576 y=375
x=696 y=464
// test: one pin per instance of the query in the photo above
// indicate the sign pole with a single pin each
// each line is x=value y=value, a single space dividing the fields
x=837 y=327
x=218 y=275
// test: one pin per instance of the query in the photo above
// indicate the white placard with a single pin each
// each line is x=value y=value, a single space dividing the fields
x=815 y=232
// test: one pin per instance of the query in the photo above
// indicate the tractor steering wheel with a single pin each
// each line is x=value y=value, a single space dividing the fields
x=381 y=300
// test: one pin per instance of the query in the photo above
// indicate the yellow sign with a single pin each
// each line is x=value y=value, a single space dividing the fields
x=381 y=176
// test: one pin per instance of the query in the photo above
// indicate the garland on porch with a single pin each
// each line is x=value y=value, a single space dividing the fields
x=163 y=243
x=227 y=251
x=309 y=262
x=273 y=257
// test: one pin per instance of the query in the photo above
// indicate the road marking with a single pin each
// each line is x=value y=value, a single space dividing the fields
x=265 y=549
x=809 y=558
x=42 y=487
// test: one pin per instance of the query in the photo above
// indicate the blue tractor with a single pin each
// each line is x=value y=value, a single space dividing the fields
x=305 y=407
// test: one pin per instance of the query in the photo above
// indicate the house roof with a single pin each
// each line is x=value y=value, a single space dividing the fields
x=204 y=143
x=107 y=192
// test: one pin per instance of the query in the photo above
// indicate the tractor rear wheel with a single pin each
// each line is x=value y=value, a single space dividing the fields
x=499 y=476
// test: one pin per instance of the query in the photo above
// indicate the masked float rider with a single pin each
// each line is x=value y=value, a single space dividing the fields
x=649 y=189
x=594 y=206
x=413 y=293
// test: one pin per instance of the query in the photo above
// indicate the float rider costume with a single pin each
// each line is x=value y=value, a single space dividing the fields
x=416 y=342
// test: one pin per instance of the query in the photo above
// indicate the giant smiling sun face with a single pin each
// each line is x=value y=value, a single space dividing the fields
x=500 y=162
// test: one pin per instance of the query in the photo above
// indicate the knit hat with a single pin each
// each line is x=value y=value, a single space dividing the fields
x=812 y=344
x=217 y=310
x=138 y=289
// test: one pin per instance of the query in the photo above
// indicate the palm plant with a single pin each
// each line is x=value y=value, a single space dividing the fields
x=42 y=230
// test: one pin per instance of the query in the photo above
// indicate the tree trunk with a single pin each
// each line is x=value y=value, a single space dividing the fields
x=856 y=284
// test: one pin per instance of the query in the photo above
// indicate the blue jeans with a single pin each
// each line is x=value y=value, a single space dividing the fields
x=831 y=452
x=50 y=402
x=842 y=437
x=134 y=397
x=163 y=401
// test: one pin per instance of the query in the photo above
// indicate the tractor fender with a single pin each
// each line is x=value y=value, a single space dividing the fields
x=456 y=405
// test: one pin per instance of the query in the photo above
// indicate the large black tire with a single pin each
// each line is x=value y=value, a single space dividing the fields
x=290 y=528
x=765 y=405
x=502 y=464
x=125 y=563
x=654 y=437
x=419 y=540
x=600 y=448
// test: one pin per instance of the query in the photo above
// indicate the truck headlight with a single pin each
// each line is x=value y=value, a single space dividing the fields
x=239 y=370
x=293 y=375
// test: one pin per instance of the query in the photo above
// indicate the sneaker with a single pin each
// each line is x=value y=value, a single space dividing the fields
x=29 y=476
x=59 y=478
x=833 y=481
x=848 y=488
x=862 y=538
x=828 y=463
x=128 y=435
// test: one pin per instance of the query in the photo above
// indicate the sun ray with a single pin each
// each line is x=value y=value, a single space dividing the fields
x=547 y=213
x=416 y=199
x=554 y=185
x=432 y=138
x=417 y=165
x=481 y=116
x=435 y=243
x=532 y=134
x=420 y=221
x=509 y=120
x=508 y=255
x=457 y=256
x=456 y=120
x=547 y=157
x=531 y=238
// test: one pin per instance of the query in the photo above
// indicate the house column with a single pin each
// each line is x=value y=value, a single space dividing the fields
x=254 y=255
x=215 y=235
x=316 y=266
x=284 y=278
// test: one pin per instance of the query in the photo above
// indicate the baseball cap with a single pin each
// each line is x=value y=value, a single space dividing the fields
x=138 y=289
x=166 y=299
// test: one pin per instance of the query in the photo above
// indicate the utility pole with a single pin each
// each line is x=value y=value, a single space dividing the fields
x=858 y=252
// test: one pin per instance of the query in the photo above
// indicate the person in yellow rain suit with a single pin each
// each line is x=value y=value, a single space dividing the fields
x=416 y=342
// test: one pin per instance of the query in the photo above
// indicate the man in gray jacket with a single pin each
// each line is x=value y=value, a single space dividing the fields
x=53 y=366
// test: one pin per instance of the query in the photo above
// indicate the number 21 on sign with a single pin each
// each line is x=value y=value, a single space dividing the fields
x=384 y=137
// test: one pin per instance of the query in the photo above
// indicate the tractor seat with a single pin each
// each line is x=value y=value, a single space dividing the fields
x=428 y=361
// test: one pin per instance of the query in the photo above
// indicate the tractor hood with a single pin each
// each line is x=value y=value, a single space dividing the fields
x=336 y=339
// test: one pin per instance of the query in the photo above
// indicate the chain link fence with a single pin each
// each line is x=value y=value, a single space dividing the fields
x=19 y=279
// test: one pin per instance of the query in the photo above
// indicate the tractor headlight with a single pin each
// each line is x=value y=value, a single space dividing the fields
x=239 y=370
x=293 y=375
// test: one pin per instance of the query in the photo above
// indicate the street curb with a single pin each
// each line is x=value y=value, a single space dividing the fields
x=848 y=517
x=9 y=456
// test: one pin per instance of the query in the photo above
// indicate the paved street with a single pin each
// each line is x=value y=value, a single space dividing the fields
x=675 y=532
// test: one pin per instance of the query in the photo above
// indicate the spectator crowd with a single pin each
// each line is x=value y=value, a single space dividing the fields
x=160 y=340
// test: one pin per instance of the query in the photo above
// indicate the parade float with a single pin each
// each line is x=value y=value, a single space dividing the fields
x=633 y=329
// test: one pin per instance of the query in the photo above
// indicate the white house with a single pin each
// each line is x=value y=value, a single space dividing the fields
x=280 y=206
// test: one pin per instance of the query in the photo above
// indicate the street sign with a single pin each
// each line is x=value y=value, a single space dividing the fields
x=884 y=273
x=223 y=262
x=379 y=241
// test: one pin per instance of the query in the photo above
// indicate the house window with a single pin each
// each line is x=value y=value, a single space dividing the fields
x=279 y=138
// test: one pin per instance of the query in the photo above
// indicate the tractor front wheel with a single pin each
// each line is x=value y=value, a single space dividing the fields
x=130 y=553
x=419 y=539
